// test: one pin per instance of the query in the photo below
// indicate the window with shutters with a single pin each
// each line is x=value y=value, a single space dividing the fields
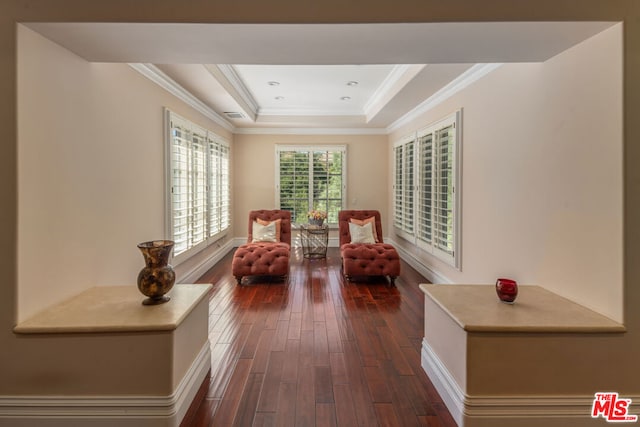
x=311 y=177
x=426 y=189
x=198 y=210
x=404 y=188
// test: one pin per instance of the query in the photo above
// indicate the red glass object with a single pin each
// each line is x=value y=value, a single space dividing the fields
x=507 y=290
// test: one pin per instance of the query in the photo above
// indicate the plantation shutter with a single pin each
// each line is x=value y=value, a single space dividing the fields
x=181 y=201
x=225 y=188
x=198 y=180
x=214 y=187
x=198 y=220
x=407 y=223
x=425 y=203
x=404 y=187
x=444 y=190
x=294 y=183
x=408 y=187
x=398 y=191
x=327 y=183
x=430 y=158
x=311 y=177
x=218 y=187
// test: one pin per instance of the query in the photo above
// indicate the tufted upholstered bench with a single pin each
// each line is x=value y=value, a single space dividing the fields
x=366 y=259
x=264 y=258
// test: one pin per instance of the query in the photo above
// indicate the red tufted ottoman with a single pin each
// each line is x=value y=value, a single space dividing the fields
x=363 y=259
x=366 y=259
x=264 y=258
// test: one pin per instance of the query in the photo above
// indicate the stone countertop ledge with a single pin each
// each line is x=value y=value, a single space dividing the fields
x=115 y=309
x=476 y=308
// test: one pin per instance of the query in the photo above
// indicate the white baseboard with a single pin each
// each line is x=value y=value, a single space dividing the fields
x=193 y=274
x=104 y=411
x=429 y=273
x=237 y=241
x=444 y=383
x=510 y=411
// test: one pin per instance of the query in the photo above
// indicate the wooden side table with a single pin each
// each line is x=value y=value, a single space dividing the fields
x=314 y=240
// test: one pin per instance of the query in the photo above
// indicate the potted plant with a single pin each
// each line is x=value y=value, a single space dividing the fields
x=316 y=217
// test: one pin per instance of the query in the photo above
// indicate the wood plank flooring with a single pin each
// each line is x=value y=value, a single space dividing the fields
x=316 y=351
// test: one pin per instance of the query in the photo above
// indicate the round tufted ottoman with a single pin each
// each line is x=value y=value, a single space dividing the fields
x=261 y=259
x=361 y=259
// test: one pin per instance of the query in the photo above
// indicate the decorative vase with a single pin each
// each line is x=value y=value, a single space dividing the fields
x=318 y=222
x=507 y=290
x=157 y=277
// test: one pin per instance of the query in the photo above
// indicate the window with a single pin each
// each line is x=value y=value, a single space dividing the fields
x=198 y=186
x=426 y=194
x=311 y=177
x=404 y=187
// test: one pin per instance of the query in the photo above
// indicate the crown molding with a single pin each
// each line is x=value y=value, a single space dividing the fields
x=229 y=78
x=154 y=74
x=310 y=131
x=465 y=79
x=456 y=85
x=397 y=79
x=307 y=112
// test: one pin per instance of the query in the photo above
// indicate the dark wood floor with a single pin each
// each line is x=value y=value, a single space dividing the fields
x=317 y=351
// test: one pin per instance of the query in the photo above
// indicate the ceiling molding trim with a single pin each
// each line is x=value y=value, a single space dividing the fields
x=463 y=80
x=310 y=131
x=307 y=112
x=398 y=78
x=231 y=80
x=154 y=74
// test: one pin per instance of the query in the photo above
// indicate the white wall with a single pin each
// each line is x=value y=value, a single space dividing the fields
x=542 y=175
x=91 y=174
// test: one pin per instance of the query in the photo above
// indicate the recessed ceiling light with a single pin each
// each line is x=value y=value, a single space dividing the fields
x=352 y=83
x=279 y=98
x=273 y=83
x=345 y=98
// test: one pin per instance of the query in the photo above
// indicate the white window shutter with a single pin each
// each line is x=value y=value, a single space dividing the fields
x=398 y=188
x=180 y=193
x=444 y=195
x=311 y=177
x=198 y=220
x=198 y=178
x=408 y=187
x=425 y=193
x=432 y=199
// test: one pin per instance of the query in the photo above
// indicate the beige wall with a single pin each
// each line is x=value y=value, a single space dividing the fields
x=254 y=166
x=542 y=175
x=91 y=175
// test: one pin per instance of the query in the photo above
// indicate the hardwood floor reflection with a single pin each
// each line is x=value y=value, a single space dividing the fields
x=316 y=351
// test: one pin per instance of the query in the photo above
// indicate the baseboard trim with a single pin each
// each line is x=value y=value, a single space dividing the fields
x=430 y=274
x=507 y=410
x=123 y=411
x=449 y=390
x=200 y=269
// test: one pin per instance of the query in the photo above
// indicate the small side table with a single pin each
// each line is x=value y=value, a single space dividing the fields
x=314 y=240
